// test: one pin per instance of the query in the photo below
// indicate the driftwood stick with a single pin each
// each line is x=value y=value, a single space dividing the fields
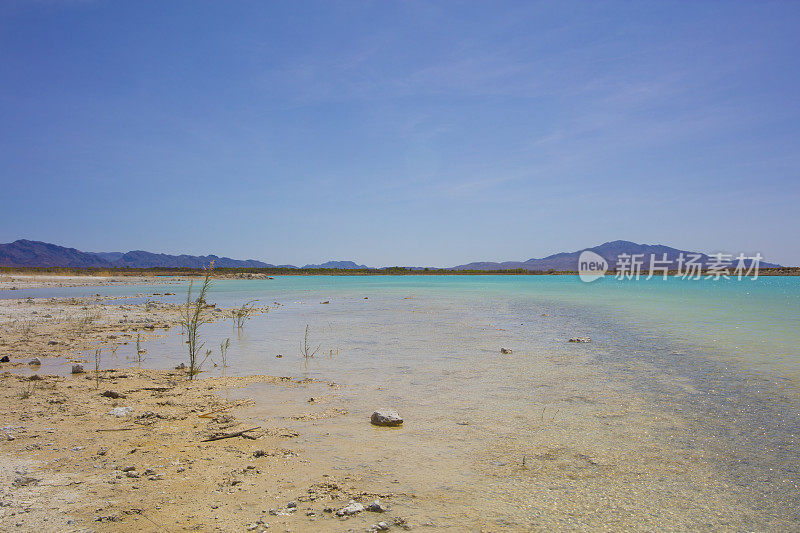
x=208 y=415
x=229 y=435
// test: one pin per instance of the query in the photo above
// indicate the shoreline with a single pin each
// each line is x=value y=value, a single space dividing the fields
x=68 y=463
x=592 y=458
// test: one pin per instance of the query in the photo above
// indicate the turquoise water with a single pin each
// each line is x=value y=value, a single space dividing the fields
x=683 y=412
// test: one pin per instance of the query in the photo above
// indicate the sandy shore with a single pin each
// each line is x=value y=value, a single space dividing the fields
x=69 y=464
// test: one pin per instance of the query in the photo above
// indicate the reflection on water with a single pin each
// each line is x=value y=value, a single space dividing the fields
x=682 y=413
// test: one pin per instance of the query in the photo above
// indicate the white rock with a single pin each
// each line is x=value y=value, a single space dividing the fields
x=377 y=507
x=386 y=417
x=120 y=411
x=350 y=509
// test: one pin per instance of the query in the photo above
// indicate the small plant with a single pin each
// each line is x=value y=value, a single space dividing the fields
x=243 y=313
x=305 y=348
x=223 y=350
x=139 y=351
x=97 y=368
x=193 y=320
x=27 y=392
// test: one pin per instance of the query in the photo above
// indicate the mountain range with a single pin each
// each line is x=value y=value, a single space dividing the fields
x=26 y=253
x=610 y=251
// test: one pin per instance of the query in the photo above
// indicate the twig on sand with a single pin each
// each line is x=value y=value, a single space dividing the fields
x=230 y=435
x=208 y=415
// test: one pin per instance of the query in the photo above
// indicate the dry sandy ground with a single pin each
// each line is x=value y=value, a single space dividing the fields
x=68 y=464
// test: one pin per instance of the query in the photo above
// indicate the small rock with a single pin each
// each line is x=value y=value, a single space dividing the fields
x=386 y=418
x=51 y=343
x=181 y=366
x=326 y=302
x=377 y=507
x=279 y=356
x=5 y=359
x=149 y=472
x=112 y=394
x=128 y=468
x=132 y=474
x=24 y=481
x=78 y=369
x=120 y=411
x=35 y=362
x=102 y=450
x=380 y=526
x=350 y=509
x=291 y=505
x=505 y=351
x=580 y=339
x=156 y=477
x=252 y=527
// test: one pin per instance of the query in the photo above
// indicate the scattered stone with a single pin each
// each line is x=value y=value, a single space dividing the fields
x=386 y=418
x=403 y=523
x=35 y=377
x=24 y=481
x=128 y=468
x=51 y=343
x=505 y=351
x=35 y=362
x=132 y=474
x=78 y=369
x=120 y=411
x=112 y=394
x=291 y=505
x=279 y=356
x=580 y=339
x=5 y=359
x=149 y=472
x=156 y=477
x=377 y=507
x=181 y=366
x=380 y=526
x=350 y=509
x=102 y=450
x=326 y=302
x=259 y=453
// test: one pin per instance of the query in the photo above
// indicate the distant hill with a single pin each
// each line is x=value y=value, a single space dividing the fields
x=568 y=261
x=25 y=253
x=347 y=265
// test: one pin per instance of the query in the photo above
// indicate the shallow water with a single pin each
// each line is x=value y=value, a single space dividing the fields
x=683 y=412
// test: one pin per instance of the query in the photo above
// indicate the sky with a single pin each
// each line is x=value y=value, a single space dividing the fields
x=400 y=133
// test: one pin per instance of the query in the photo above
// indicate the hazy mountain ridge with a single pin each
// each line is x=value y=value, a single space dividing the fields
x=27 y=253
x=349 y=265
x=610 y=251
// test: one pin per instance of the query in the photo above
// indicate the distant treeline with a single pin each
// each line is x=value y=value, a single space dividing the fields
x=277 y=271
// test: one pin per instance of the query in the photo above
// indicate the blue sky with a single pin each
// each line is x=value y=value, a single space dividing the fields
x=412 y=133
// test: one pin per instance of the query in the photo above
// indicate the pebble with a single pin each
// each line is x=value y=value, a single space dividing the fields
x=505 y=351
x=350 y=509
x=120 y=411
x=35 y=362
x=78 y=369
x=5 y=359
x=386 y=418
x=377 y=507
x=580 y=339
